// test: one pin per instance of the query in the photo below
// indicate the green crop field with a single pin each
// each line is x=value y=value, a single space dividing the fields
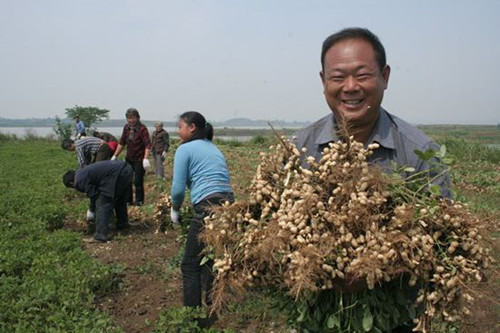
x=50 y=282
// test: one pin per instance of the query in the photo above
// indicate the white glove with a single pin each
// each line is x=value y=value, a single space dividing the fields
x=90 y=215
x=164 y=154
x=145 y=163
x=113 y=158
x=175 y=215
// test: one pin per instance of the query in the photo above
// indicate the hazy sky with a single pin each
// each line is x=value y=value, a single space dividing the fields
x=257 y=59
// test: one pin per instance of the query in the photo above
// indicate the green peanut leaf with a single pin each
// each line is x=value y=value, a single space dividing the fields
x=333 y=321
x=367 y=320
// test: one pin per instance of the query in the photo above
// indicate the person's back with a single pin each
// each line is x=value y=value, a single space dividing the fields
x=206 y=167
x=91 y=149
x=105 y=182
x=108 y=137
x=100 y=176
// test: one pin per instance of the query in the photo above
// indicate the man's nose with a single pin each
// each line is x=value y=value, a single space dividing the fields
x=351 y=84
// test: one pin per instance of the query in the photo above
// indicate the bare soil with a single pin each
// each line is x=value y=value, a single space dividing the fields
x=149 y=287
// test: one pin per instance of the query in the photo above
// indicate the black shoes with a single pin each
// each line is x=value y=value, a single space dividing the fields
x=122 y=226
x=92 y=240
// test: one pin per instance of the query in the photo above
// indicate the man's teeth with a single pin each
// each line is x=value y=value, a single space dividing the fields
x=353 y=102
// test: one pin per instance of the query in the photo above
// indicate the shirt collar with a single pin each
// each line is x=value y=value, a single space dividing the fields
x=327 y=131
x=383 y=132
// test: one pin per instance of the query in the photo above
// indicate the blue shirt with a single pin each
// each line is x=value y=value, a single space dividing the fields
x=200 y=166
x=398 y=141
x=80 y=127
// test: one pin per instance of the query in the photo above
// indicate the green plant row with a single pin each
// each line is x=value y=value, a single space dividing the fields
x=47 y=282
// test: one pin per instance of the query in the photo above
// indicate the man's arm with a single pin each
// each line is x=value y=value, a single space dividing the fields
x=118 y=150
x=145 y=142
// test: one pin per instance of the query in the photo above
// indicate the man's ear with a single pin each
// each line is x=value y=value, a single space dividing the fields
x=386 y=72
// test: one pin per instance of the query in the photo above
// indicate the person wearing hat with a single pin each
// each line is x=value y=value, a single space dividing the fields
x=160 y=143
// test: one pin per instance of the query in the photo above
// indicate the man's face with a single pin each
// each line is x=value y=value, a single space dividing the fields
x=132 y=120
x=353 y=84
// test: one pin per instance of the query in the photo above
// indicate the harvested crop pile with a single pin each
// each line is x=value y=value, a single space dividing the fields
x=161 y=212
x=341 y=221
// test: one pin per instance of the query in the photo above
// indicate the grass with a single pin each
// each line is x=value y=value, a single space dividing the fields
x=47 y=281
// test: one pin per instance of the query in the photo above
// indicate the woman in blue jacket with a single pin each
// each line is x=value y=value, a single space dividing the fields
x=200 y=166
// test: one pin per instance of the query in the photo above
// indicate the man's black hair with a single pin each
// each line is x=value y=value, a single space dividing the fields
x=69 y=178
x=355 y=33
x=66 y=143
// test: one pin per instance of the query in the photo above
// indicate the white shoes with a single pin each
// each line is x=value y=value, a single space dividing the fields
x=90 y=215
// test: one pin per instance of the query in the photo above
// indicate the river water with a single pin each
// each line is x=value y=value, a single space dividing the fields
x=21 y=132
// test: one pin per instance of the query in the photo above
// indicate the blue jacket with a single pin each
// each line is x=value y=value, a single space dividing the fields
x=200 y=166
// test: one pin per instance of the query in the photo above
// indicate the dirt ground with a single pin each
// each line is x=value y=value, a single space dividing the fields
x=152 y=280
x=148 y=287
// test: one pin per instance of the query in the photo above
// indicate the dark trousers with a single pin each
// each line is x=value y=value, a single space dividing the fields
x=138 y=182
x=104 y=153
x=105 y=205
x=194 y=275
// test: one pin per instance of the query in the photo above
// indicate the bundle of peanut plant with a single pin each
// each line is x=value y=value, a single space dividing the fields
x=161 y=212
x=312 y=230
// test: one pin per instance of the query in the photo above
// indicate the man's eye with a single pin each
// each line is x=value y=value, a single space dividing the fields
x=337 y=78
x=363 y=76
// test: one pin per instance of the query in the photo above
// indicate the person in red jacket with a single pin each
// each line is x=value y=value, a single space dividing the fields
x=136 y=137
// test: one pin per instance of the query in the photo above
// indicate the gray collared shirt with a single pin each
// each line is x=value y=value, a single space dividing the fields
x=398 y=141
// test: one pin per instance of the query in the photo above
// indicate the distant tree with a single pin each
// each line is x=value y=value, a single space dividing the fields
x=88 y=114
x=62 y=130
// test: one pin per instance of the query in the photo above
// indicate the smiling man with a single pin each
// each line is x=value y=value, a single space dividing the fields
x=355 y=76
